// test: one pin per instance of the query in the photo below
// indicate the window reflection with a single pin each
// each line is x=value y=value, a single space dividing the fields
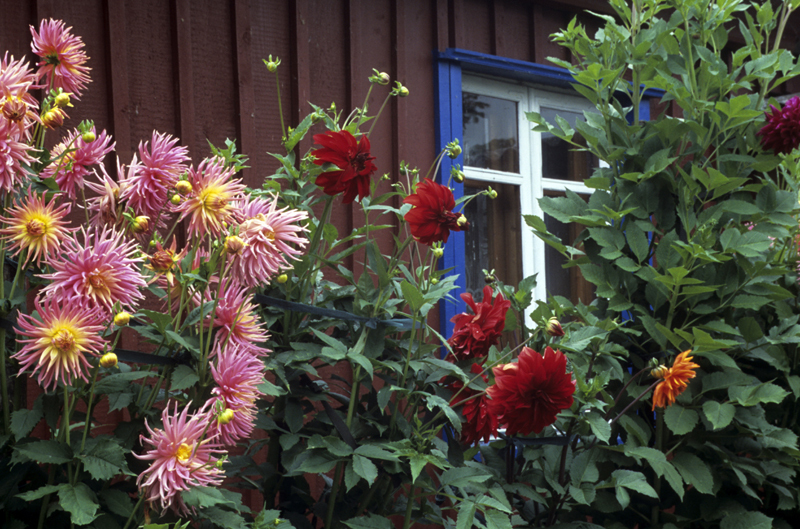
x=491 y=135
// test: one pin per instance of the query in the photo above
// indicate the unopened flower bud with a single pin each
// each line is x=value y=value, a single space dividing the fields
x=402 y=91
x=219 y=463
x=175 y=200
x=153 y=243
x=381 y=78
x=184 y=187
x=489 y=278
x=553 y=327
x=283 y=278
x=14 y=109
x=457 y=174
x=225 y=416
x=234 y=245
x=122 y=319
x=434 y=281
x=140 y=224
x=53 y=118
x=454 y=151
x=492 y=193
x=659 y=372
x=62 y=100
x=462 y=220
x=109 y=360
x=438 y=252
x=272 y=65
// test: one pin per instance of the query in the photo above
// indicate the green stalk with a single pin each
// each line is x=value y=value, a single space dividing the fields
x=88 y=423
x=409 y=507
x=4 y=383
x=133 y=512
x=660 y=447
x=280 y=108
x=375 y=120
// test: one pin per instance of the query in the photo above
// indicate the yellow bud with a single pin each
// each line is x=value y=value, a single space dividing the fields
x=184 y=187
x=109 y=360
x=660 y=372
x=283 y=278
x=122 y=319
x=434 y=281
x=462 y=220
x=53 y=118
x=62 y=100
x=492 y=194
x=140 y=224
x=438 y=252
x=175 y=200
x=403 y=92
x=234 y=245
x=88 y=137
x=225 y=416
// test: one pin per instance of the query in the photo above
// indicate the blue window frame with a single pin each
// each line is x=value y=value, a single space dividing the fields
x=451 y=67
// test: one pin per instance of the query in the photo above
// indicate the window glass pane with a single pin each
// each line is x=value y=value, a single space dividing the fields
x=559 y=281
x=494 y=239
x=491 y=135
x=560 y=160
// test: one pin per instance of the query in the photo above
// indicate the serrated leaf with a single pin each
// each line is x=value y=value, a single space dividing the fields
x=41 y=492
x=117 y=501
x=680 y=420
x=694 y=471
x=24 y=421
x=53 y=452
x=746 y=520
x=79 y=502
x=119 y=382
x=183 y=377
x=369 y=521
x=497 y=520
x=204 y=497
x=466 y=515
x=351 y=479
x=634 y=481
x=224 y=518
x=365 y=468
x=105 y=460
x=719 y=414
x=119 y=401
x=600 y=427
x=761 y=393
x=463 y=476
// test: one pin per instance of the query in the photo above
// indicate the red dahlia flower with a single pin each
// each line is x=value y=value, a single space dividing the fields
x=781 y=132
x=432 y=218
x=353 y=160
x=479 y=420
x=475 y=333
x=527 y=395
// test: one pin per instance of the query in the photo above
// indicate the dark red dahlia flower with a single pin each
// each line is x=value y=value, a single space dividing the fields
x=479 y=420
x=432 y=218
x=353 y=160
x=475 y=333
x=527 y=395
x=781 y=132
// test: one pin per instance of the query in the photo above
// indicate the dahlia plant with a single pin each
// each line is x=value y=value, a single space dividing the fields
x=279 y=356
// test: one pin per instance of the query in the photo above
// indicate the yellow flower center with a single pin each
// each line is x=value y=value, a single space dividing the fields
x=184 y=452
x=63 y=340
x=212 y=201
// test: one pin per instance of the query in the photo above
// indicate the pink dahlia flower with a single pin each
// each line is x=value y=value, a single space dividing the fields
x=17 y=105
x=238 y=375
x=781 y=132
x=63 y=61
x=105 y=207
x=56 y=347
x=36 y=227
x=163 y=161
x=237 y=321
x=13 y=155
x=214 y=199
x=272 y=236
x=183 y=454
x=97 y=273
x=72 y=158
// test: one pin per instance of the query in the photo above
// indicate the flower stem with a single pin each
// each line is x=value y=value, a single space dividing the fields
x=280 y=107
x=4 y=383
x=409 y=507
x=133 y=512
x=637 y=399
x=375 y=119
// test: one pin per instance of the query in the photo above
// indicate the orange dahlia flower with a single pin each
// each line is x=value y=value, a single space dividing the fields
x=674 y=381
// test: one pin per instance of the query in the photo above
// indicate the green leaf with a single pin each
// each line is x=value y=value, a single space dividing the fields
x=750 y=329
x=718 y=414
x=119 y=382
x=224 y=518
x=465 y=476
x=351 y=479
x=417 y=463
x=117 y=501
x=762 y=393
x=375 y=452
x=365 y=468
x=746 y=520
x=637 y=240
x=204 y=497
x=53 y=452
x=412 y=296
x=369 y=521
x=80 y=502
x=105 y=459
x=658 y=462
x=694 y=471
x=119 y=401
x=190 y=344
x=497 y=520
x=183 y=377
x=600 y=427
x=634 y=481
x=23 y=421
x=680 y=420
x=41 y=492
x=334 y=445
x=466 y=515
